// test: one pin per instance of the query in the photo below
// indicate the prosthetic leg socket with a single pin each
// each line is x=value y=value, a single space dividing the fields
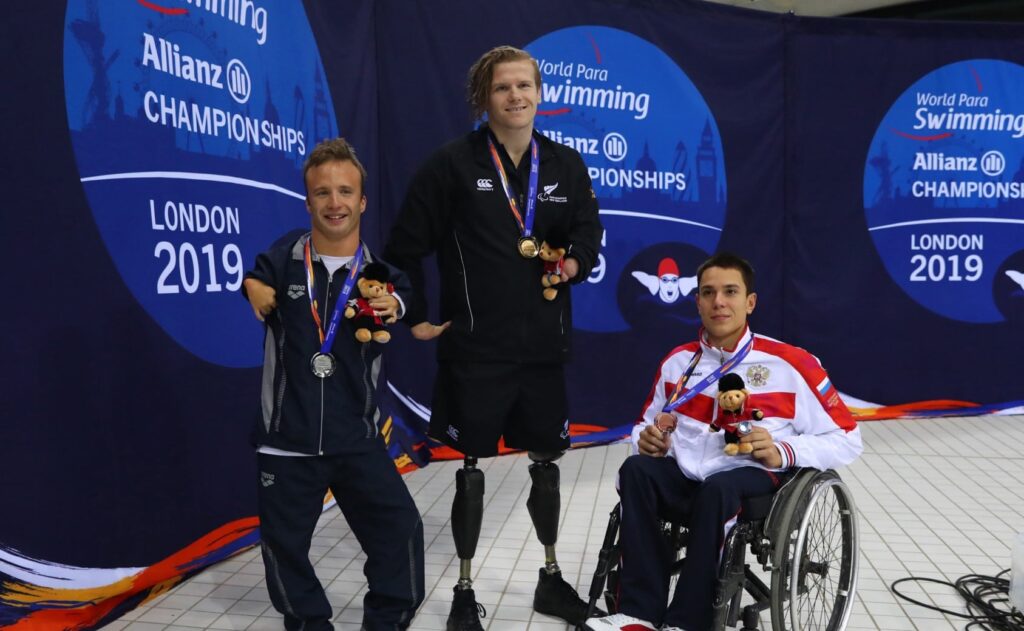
x=544 y=503
x=468 y=508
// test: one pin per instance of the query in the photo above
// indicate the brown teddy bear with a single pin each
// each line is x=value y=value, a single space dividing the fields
x=372 y=283
x=552 y=257
x=732 y=395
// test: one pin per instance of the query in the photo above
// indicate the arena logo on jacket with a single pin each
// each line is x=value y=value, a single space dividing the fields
x=654 y=154
x=190 y=122
x=944 y=191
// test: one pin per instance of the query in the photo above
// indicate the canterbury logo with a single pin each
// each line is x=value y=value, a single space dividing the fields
x=484 y=184
x=296 y=291
x=454 y=433
x=266 y=479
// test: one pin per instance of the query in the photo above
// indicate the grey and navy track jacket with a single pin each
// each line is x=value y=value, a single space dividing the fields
x=299 y=411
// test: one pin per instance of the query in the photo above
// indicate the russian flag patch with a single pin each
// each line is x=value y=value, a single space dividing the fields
x=824 y=388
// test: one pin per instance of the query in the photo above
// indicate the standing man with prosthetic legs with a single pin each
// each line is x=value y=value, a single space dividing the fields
x=502 y=346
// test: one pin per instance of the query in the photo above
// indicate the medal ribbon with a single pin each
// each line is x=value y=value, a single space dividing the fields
x=327 y=340
x=681 y=395
x=525 y=223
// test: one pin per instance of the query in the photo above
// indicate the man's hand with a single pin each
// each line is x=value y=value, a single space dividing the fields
x=261 y=296
x=765 y=450
x=386 y=307
x=570 y=267
x=427 y=331
x=651 y=442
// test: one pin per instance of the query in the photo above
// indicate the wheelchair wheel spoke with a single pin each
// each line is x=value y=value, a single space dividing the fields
x=818 y=582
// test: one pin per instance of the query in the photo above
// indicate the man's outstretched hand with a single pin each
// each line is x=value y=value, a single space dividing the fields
x=427 y=331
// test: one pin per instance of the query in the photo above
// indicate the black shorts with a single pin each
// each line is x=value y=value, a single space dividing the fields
x=476 y=403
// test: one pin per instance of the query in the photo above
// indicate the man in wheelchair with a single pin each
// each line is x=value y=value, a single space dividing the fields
x=680 y=470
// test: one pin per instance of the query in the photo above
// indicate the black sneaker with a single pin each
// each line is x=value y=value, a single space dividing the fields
x=466 y=612
x=555 y=597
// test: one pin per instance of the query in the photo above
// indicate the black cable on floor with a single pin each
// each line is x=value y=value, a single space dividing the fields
x=986 y=597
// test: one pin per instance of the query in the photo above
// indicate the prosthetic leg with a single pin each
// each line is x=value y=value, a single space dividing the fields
x=545 y=504
x=467 y=515
x=553 y=596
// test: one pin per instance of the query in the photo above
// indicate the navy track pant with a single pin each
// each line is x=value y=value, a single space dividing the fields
x=653 y=489
x=382 y=515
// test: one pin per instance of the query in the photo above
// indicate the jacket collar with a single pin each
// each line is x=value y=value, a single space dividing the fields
x=482 y=155
x=723 y=354
x=299 y=250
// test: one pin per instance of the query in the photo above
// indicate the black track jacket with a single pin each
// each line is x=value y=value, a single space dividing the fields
x=457 y=208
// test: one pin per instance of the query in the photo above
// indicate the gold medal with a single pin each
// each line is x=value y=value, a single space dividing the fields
x=528 y=247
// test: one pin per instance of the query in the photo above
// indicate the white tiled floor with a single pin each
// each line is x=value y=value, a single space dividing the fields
x=937 y=498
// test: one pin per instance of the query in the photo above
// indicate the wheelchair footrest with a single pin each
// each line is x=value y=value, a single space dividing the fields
x=611 y=594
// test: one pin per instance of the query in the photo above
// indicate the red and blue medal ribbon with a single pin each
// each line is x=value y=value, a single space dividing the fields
x=681 y=394
x=327 y=338
x=525 y=222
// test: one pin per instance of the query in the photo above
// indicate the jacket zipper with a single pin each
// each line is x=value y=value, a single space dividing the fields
x=714 y=414
x=323 y=384
x=369 y=396
x=465 y=280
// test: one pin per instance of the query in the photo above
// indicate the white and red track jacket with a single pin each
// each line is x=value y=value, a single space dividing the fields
x=802 y=409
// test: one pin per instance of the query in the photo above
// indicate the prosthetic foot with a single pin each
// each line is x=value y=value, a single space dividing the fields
x=466 y=612
x=555 y=597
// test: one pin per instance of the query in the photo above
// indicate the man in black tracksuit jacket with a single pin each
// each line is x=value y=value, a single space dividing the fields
x=320 y=429
x=502 y=345
x=492 y=295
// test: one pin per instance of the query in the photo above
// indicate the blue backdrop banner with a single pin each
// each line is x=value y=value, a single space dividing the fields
x=154 y=147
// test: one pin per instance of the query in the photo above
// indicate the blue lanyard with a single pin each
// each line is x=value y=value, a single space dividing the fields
x=680 y=397
x=327 y=340
x=525 y=223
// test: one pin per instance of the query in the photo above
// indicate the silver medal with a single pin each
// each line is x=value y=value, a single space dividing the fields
x=323 y=365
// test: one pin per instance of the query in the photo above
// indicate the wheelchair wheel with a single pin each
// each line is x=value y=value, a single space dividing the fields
x=814 y=558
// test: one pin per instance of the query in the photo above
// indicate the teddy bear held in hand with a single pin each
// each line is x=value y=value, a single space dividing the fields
x=372 y=283
x=732 y=395
x=552 y=258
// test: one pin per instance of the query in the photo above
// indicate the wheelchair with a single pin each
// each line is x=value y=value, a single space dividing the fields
x=804 y=535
